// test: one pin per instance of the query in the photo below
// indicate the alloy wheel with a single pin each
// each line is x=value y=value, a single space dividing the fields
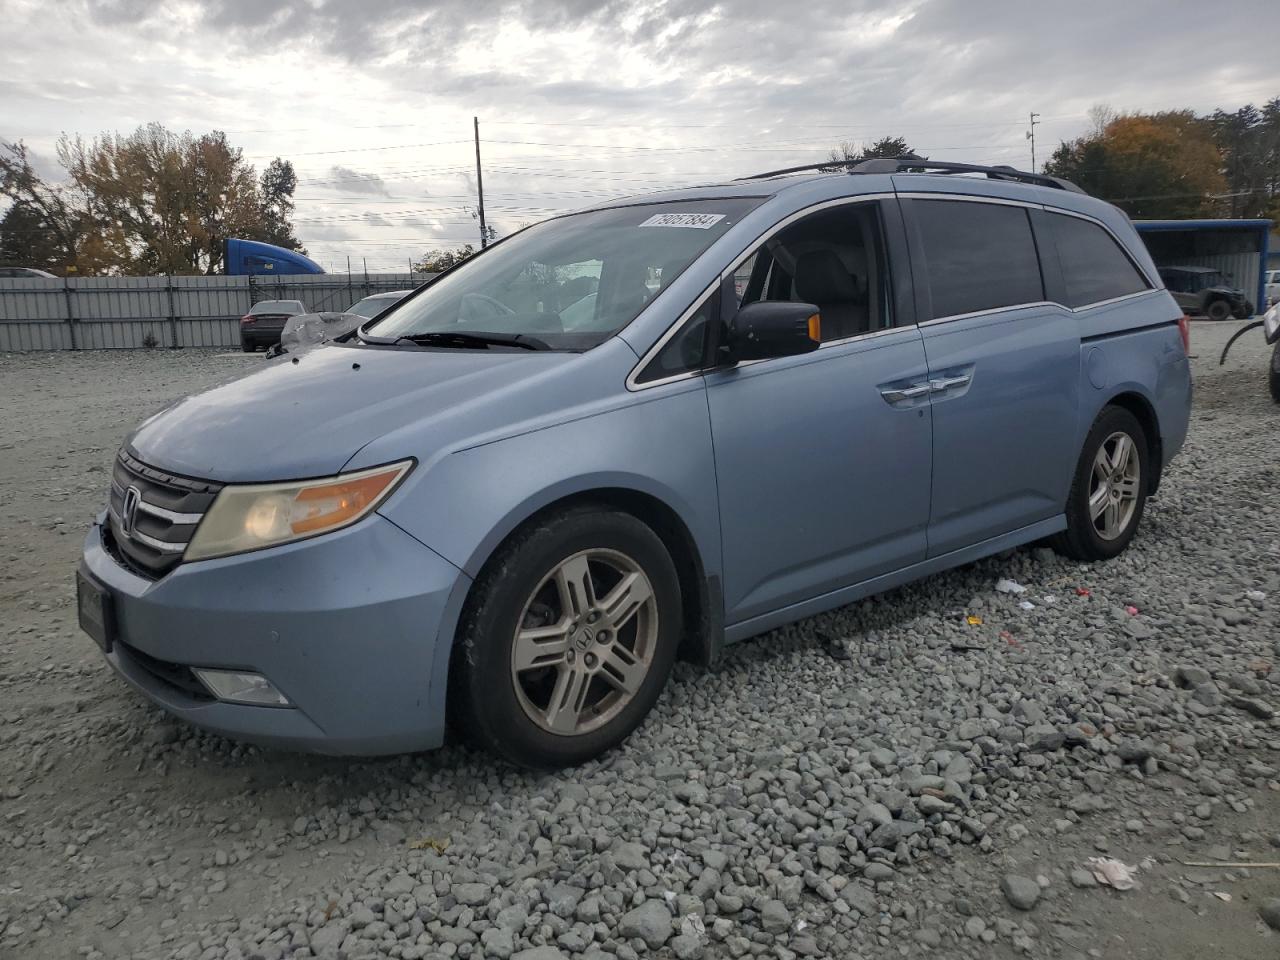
x=1113 y=485
x=585 y=642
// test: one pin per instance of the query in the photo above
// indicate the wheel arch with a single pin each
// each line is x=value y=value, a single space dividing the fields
x=1144 y=410
x=703 y=606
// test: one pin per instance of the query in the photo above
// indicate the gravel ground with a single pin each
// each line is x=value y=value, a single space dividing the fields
x=923 y=773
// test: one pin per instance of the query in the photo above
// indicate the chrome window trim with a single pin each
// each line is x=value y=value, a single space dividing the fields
x=782 y=224
x=1119 y=299
x=1039 y=303
x=972 y=198
x=950 y=318
x=869 y=335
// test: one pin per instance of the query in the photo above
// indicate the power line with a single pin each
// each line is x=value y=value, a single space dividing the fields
x=321 y=153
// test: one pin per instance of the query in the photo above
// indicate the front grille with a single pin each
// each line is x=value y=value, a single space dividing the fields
x=173 y=675
x=168 y=510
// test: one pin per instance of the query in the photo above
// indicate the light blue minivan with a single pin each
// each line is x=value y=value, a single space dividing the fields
x=632 y=434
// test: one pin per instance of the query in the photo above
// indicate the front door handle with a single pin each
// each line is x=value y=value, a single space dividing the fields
x=914 y=392
x=942 y=384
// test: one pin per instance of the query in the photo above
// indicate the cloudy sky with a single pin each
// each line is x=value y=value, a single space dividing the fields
x=580 y=100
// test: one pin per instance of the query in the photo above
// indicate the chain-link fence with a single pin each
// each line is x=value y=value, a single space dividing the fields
x=94 y=313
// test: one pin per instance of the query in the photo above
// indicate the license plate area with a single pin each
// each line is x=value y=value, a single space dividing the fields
x=96 y=612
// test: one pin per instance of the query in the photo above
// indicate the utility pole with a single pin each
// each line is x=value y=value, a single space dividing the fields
x=1031 y=135
x=484 y=233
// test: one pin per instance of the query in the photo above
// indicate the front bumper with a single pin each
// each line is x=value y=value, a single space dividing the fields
x=354 y=627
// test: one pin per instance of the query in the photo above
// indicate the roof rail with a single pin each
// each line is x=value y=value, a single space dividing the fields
x=911 y=164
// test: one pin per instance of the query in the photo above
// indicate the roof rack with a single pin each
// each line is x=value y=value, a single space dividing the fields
x=911 y=164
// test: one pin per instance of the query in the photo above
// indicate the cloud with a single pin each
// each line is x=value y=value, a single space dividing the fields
x=353 y=181
x=585 y=99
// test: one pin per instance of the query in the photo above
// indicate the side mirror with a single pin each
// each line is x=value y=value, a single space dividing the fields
x=773 y=328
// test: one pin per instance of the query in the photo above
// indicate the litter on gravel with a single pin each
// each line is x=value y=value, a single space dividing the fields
x=1009 y=586
x=1110 y=872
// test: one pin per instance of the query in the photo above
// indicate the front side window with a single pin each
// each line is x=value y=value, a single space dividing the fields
x=1094 y=267
x=833 y=259
x=569 y=283
x=980 y=256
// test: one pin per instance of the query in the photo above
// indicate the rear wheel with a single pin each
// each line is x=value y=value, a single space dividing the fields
x=568 y=639
x=248 y=346
x=1218 y=310
x=1109 y=489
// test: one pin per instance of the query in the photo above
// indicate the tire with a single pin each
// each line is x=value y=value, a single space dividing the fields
x=1089 y=538
x=504 y=692
x=1273 y=374
x=1218 y=310
x=248 y=346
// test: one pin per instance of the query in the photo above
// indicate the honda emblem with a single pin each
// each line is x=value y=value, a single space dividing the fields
x=129 y=510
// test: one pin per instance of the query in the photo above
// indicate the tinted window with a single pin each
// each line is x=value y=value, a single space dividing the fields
x=685 y=351
x=1093 y=265
x=833 y=259
x=980 y=256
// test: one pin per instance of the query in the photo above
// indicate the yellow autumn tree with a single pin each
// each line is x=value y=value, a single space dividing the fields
x=1150 y=165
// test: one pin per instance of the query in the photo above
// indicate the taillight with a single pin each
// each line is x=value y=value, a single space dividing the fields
x=250 y=318
x=1184 y=330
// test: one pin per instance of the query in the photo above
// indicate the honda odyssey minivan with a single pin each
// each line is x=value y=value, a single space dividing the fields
x=773 y=397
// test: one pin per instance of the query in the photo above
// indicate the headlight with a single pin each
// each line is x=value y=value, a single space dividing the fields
x=250 y=517
x=1271 y=324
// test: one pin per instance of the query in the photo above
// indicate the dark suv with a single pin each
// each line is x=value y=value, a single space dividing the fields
x=1207 y=292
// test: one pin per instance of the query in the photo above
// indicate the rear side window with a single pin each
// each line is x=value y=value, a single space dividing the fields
x=980 y=256
x=1094 y=267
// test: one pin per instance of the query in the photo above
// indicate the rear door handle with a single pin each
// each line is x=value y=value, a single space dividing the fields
x=942 y=384
x=898 y=394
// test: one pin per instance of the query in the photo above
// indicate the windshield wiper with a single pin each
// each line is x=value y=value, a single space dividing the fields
x=474 y=341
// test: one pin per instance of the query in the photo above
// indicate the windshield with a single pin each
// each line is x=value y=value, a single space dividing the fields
x=276 y=306
x=1201 y=281
x=570 y=283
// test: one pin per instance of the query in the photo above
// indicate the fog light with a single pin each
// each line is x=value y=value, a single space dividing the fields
x=235 y=687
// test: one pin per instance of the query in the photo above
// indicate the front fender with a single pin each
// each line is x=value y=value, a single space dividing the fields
x=464 y=505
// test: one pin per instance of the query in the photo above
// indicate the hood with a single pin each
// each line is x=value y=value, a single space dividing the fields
x=1234 y=293
x=307 y=418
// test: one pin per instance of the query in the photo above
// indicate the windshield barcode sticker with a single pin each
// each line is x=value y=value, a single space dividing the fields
x=697 y=221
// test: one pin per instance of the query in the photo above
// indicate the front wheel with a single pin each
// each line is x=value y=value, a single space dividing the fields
x=1218 y=310
x=1273 y=375
x=567 y=640
x=1109 y=489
